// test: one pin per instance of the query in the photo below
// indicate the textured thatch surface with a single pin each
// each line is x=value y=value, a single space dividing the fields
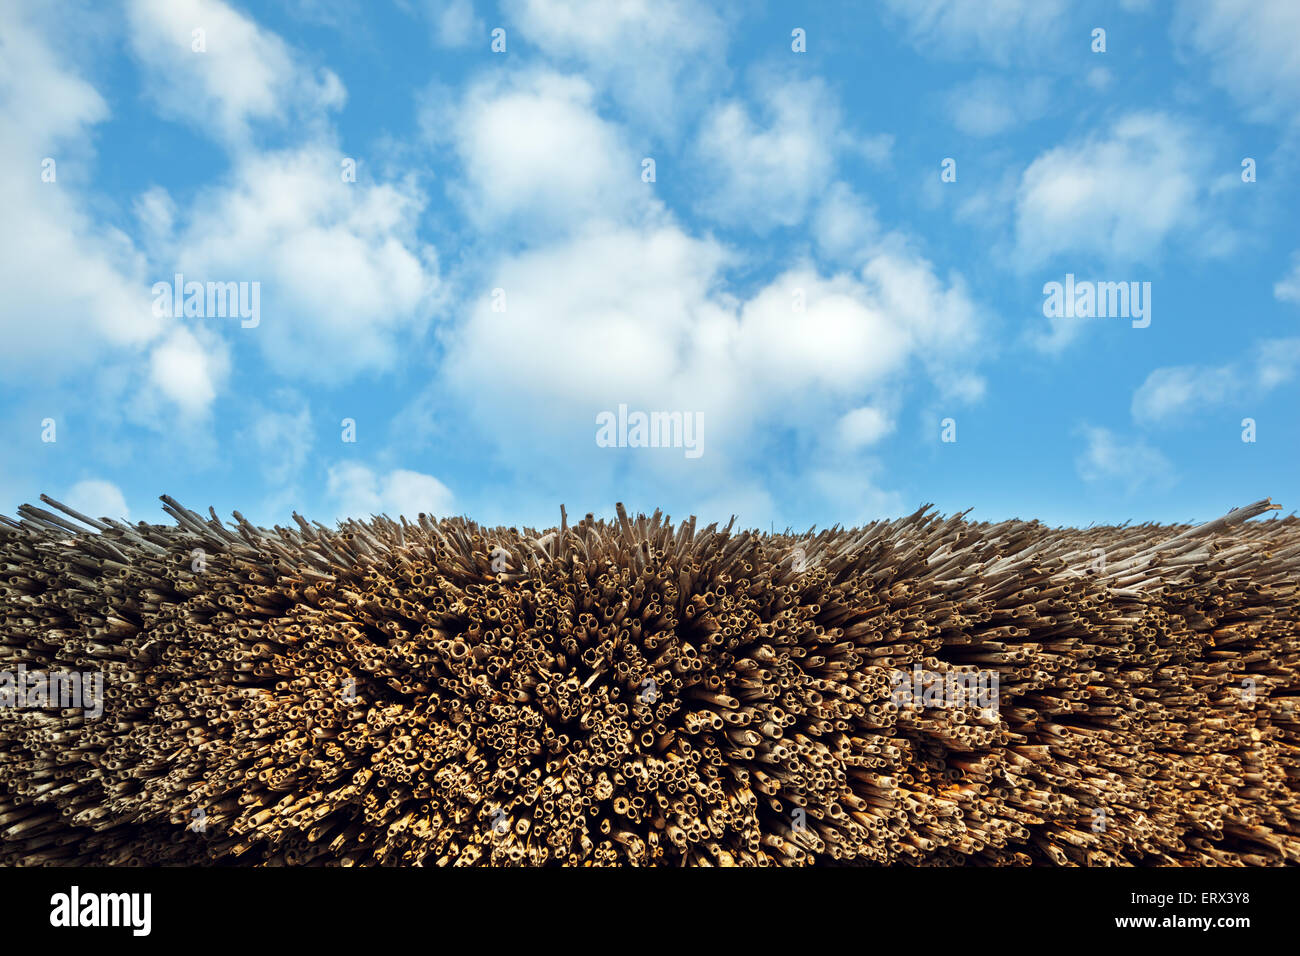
x=638 y=692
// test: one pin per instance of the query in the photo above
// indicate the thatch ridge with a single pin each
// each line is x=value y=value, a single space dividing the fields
x=638 y=691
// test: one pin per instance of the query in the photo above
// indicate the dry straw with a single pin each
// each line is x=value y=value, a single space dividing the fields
x=634 y=692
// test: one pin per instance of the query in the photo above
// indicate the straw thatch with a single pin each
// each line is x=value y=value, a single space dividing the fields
x=638 y=692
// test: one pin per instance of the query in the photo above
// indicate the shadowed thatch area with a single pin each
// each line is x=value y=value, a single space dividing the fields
x=635 y=691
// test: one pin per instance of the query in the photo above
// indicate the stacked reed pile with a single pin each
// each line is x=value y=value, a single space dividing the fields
x=400 y=692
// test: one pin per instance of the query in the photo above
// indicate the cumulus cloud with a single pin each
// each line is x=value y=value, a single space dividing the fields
x=77 y=291
x=1118 y=194
x=535 y=154
x=844 y=223
x=767 y=171
x=1276 y=362
x=243 y=75
x=340 y=268
x=189 y=368
x=338 y=264
x=97 y=498
x=61 y=270
x=358 y=491
x=619 y=311
x=863 y=426
x=1130 y=464
x=1174 y=394
x=644 y=318
x=674 y=48
x=1250 y=46
x=1168 y=391
x=612 y=303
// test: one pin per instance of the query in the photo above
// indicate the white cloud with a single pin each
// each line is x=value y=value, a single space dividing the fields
x=615 y=304
x=643 y=318
x=1251 y=49
x=621 y=312
x=844 y=338
x=77 y=296
x=1131 y=464
x=674 y=48
x=536 y=154
x=844 y=224
x=1287 y=288
x=61 y=271
x=641 y=315
x=341 y=271
x=999 y=30
x=864 y=426
x=989 y=104
x=189 y=368
x=767 y=173
x=45 y=103
x=1170 y=391
x=245 y=75
x=941 y=320
x=1118 y=194
x=358 y=492
x=455 y=24
x=339 y=265
x=1176 y=392
x=1276 y=362
x=96 y=498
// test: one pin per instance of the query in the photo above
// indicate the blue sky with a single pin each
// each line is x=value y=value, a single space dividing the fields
x=799 y=279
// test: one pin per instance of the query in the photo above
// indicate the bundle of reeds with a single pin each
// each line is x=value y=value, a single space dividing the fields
x=398 y=692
